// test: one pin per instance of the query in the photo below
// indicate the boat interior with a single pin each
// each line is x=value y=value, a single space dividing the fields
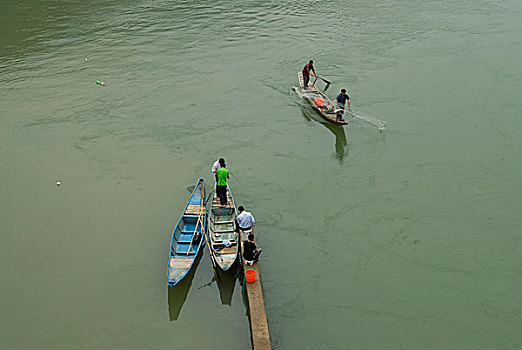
x=222 y=228
x=184 y=233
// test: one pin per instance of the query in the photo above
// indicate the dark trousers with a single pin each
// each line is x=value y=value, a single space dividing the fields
x=221 y=192
x=241 y=228
x=256 y=255
x=340 y=111
x=306 y=79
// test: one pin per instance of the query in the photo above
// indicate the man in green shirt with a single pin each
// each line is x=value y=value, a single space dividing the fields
x=222 y=175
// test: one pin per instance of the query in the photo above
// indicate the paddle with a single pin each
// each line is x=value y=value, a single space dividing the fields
x=200 y=219
x=209 y=196
x=195 y=230
x=323 y=79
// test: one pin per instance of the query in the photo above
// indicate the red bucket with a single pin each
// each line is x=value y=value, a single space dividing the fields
x=250 y=276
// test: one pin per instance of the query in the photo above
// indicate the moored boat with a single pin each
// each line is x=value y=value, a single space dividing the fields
x=320 y=102
x=221 y=235
x=187 y=236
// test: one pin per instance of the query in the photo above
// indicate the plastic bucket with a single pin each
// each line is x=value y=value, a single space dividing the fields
x=250 y=276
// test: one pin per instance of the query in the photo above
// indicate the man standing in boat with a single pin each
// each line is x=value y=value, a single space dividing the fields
x=341 y=100
x=217 y=164
x=306 y=73
x=222 y=175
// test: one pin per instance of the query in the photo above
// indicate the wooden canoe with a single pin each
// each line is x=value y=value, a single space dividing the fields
x=221 y=224
x=320 y=102
x=187 y=236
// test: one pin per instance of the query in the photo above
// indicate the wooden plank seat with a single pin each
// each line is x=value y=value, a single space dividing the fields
x=195 y=209
x=220 y=236
x=222 y=222
x=216 y=203
x=229 y=250
x=223 y=231
x=183 y=248
x=180 y=262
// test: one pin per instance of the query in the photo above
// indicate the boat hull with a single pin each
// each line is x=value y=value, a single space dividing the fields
x=326 y=108
x=221 y=234
x=187 y=236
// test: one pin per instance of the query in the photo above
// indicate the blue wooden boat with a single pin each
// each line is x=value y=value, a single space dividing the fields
x=221 y=235
x=187 y=236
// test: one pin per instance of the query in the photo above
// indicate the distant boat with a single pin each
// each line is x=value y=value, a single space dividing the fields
x=187 y=236
x=221 y=234
x=320 y=102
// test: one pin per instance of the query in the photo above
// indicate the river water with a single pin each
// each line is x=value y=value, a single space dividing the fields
x=406 y=239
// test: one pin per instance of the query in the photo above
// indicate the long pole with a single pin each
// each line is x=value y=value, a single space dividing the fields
x=200 y=219
x=235 y=177
x=194 y=233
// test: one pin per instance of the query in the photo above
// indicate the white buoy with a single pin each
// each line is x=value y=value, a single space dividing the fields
x=86 y=60
x=58 y=183
x=102 y=83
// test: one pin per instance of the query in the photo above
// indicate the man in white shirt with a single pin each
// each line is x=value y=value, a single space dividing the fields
x=218 y=164
x=244 y=221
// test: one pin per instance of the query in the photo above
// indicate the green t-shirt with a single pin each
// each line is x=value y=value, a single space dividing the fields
x=222 y=174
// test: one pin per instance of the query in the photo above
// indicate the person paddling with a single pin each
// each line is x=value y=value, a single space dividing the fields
x=341 y=100
x=306 y=73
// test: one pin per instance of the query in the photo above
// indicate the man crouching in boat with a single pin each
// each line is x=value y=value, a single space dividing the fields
x=341 y=100
x=306 y=73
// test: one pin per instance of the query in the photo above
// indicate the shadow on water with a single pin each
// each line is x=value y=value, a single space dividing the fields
x=341 y=143
x=178 y=294
x=226 y=281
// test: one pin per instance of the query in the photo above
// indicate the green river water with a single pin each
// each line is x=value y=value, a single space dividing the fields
x=406 y=239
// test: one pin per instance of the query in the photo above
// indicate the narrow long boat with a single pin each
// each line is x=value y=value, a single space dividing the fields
x=320 y=102
x=221 y=234
x=187 y=236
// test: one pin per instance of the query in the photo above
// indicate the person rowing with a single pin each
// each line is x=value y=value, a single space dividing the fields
x=341 y=100
x=306 y=73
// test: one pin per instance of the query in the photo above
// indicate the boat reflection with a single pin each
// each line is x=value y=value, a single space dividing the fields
x=341 y=143
x=226 y=282
x=178 y=294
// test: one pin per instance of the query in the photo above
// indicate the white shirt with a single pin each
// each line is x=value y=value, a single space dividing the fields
x=216 y=166
x=245 y=219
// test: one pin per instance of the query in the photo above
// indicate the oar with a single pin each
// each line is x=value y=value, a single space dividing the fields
x=323 y=79
x=194 y=233
x=200 y=218
x=210 y=195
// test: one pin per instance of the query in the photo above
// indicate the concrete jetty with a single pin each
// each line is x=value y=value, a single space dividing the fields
x=256 y=308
